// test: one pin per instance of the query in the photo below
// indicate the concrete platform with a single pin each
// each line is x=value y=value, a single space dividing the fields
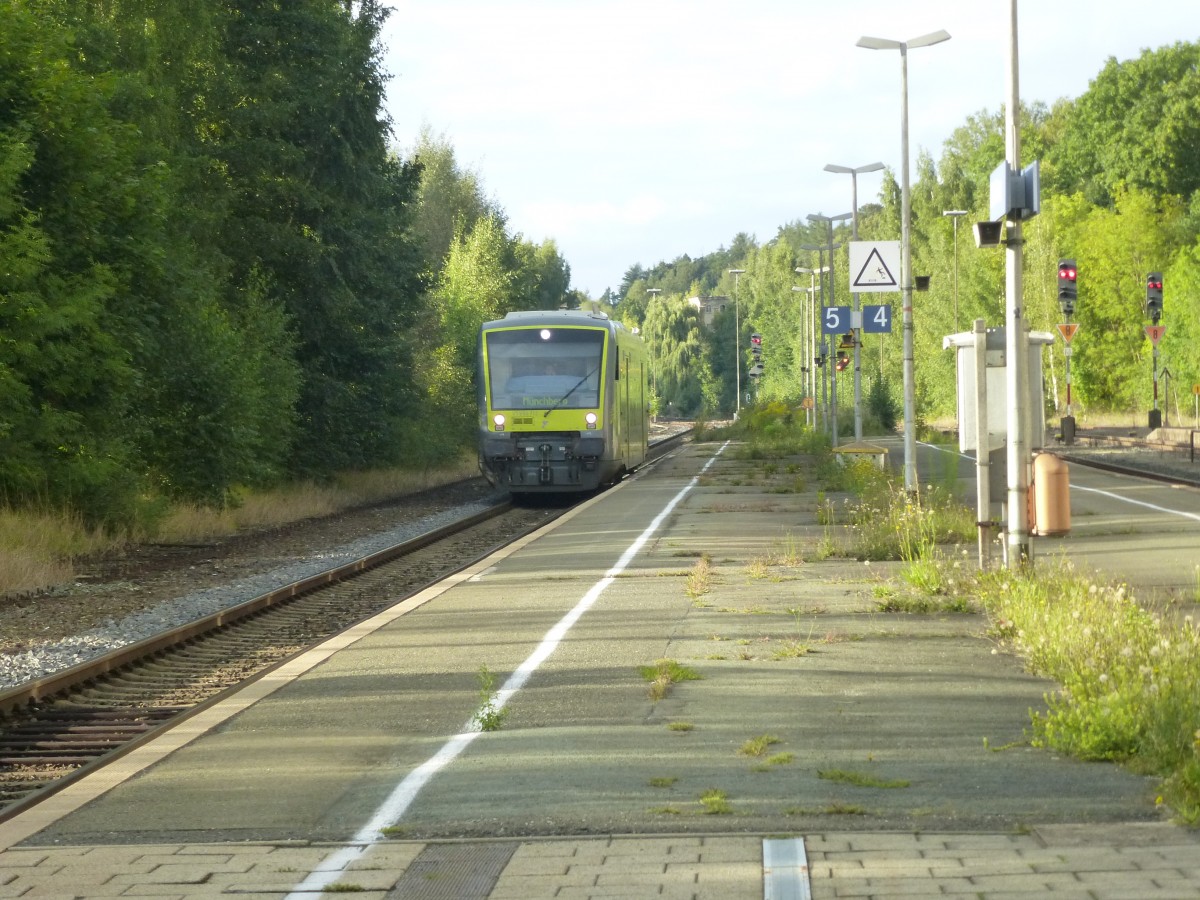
x=358 y=769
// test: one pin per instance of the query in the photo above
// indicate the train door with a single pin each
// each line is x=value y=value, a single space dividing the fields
x=625 y=409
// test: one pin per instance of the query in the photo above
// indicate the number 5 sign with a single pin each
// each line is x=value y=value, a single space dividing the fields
x=835 y=319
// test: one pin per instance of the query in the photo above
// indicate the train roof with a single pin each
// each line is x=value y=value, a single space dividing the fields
x=554 y=317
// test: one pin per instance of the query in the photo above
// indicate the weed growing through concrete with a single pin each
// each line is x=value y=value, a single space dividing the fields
x=664 y=673
x=833 y=809
x=792 y=650
x=757 y=746
x=759 y=567
x=789 y=554
x=716 y=802
x=921 y=603
x=489 y=716
x=773 y=761
x=680 y=726
x=698 y=580
x=665 y=781
x=861 y=779
x=825 y=514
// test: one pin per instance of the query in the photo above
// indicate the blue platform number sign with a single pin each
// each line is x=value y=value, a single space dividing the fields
x=835 y=319
x=877 y=319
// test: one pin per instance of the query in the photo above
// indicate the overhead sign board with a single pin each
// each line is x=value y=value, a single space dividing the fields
x=874 y=266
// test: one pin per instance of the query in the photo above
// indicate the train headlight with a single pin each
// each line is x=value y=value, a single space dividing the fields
x=591 y=419
x=498 y=421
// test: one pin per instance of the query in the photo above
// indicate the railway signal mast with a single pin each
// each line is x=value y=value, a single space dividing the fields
x=1067 y=294
x=756 y=366
x=1154 y=308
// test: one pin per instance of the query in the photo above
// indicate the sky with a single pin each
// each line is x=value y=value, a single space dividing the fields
x=636 y=131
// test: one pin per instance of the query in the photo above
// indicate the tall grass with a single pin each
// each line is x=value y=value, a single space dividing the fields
x=38 y=549
x=1130 y=681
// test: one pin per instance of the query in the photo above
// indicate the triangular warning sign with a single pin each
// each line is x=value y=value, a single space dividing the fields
x=1068 y=330
x=1155 y=333
x=874 y=273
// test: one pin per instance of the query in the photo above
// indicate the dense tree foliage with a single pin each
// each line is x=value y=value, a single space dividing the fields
x=1120 y=195
x=215 y=270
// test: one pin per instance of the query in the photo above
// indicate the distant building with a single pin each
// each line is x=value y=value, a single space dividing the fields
x=708 y=307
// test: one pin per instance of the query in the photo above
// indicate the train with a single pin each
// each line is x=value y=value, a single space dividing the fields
x=564 y=401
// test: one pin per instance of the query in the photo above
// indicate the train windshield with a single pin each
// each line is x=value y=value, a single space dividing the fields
x=545 y=368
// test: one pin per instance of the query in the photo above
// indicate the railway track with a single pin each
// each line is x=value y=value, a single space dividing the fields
x=1169 y=462
x=60 y=728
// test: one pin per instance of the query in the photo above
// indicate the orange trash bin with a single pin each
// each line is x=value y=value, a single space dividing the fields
x=1052 y=495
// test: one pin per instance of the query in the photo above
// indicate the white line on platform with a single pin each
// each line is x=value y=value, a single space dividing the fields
x=1076 y=487
x=390 y=811
x=785 y=869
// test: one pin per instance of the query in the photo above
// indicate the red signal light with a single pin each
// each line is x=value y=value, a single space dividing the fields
x=1067 y=272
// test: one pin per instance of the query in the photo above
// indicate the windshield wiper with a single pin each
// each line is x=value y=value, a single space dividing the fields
x=563 y=399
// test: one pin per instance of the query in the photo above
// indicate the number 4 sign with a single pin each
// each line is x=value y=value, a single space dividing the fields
x=877 y=319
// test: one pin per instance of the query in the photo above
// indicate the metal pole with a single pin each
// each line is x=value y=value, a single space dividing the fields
x=955 y=220
x=737 y=345
x=823 y=351
x=807 y=382
x=812 y=345
x=1019 y=548
x=833 y=402
x=906 y=288
x=854 y=300
x=1154 y=376
x=983 y=499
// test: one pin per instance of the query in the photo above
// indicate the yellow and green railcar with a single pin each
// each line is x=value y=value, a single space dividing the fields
x=564 y=401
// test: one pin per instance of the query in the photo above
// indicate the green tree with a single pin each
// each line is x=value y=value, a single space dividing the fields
x=1114 y=249
x=450 y=198
x=1137 y=124
x=66 y=378
x=323 y=212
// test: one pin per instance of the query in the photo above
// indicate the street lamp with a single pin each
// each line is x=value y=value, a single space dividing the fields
x=809 y=331
x=854 y=173
x=833 y=406
x=906 y=287
x=737 y=344
x=955 y=215
x=819 y=325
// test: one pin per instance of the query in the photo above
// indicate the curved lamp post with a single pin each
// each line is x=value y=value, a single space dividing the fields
x=906 y=287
